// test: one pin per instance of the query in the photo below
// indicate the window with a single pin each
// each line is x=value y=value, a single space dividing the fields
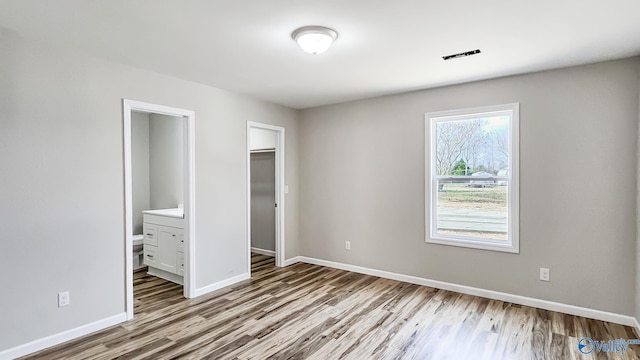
x=472 y=176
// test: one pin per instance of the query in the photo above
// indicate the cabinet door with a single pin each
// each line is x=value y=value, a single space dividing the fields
x=167 y=248
x=180 y=259
x=181 y=240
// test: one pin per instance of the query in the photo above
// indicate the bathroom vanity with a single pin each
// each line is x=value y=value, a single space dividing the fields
x=163 y=245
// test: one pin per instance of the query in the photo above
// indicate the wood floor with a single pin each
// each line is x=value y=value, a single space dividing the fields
x=308 y=311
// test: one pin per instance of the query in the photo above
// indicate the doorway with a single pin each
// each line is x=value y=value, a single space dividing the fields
x=263 y=198
x=265 y=191
x=131 y=108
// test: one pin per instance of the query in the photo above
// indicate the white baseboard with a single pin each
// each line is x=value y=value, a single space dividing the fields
x=293 y=260
x=83 y=330
x=636 y=326
x=263 y=251
x=496 y=295
x=59 y=338
x=220 y=284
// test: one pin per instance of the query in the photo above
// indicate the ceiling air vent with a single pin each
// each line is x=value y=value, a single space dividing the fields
x=462 y=54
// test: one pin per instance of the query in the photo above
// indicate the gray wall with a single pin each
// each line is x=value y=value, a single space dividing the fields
x=637 y=278
x=62 y=193
x=166 y=161
x=362 y=179
x=139 y=168
x=263 y=199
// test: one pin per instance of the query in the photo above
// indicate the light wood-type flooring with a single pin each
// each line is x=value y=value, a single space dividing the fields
x=312 y=312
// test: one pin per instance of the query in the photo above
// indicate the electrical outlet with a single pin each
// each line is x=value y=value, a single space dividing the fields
x=63 y=299
x=544 y=274
x=347 y=245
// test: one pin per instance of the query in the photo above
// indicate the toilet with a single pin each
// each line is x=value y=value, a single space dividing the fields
x=137 y=243
x=137 y=251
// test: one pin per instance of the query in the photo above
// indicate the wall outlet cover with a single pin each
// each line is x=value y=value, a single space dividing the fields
x=63 y=299
x=544 y=274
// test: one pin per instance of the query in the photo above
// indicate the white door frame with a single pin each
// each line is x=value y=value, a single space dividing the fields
x=189 y=195
x=280 y=187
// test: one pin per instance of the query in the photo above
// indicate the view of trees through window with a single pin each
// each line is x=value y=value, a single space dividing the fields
x=468 y=146
x=472 y=166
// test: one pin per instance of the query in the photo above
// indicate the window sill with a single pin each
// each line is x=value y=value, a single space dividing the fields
x=475 y=244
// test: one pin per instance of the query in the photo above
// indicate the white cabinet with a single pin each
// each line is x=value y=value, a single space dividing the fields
x=164 y=246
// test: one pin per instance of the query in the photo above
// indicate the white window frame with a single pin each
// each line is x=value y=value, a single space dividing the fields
x=512 y=245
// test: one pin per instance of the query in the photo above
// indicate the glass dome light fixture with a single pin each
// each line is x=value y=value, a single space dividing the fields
x=314 y=39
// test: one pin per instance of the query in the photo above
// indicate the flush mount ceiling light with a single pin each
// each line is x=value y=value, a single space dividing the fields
x=314 y=39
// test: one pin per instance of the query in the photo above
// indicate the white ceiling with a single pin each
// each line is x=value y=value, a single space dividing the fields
x=384 y=46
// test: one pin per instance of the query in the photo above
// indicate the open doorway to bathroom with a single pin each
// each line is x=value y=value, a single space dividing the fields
x=265 y=194
x=159 y=201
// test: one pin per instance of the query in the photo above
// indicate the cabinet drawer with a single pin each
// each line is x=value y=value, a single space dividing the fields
x=150 y=232
x=150 y=255
x=180 y=262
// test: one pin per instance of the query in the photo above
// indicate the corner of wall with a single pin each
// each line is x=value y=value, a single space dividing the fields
x=637 y=277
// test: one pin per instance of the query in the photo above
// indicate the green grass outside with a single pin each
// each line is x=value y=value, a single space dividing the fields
x=462 y=196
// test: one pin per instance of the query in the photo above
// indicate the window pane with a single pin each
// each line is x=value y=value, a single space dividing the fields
x=474 y=177
x=472 y=208
x=465 y=147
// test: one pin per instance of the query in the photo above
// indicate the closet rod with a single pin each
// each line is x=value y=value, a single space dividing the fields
x=262 y=151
